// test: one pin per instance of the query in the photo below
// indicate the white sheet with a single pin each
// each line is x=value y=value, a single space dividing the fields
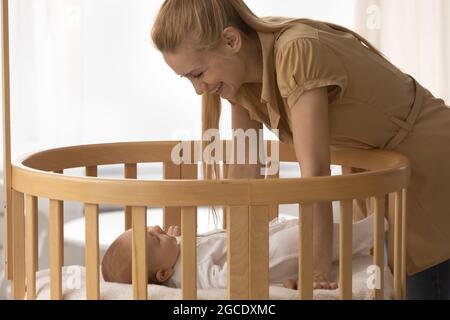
x=74 y=287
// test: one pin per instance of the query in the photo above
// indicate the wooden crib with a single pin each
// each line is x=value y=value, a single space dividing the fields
x=251 y=203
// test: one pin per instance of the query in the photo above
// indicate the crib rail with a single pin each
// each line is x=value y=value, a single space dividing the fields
x=250 y=204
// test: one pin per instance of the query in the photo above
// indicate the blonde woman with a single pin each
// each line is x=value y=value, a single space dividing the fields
x=321 y=85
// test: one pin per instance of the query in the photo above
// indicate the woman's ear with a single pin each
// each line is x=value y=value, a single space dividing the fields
x=232 y=38
x=164 y=275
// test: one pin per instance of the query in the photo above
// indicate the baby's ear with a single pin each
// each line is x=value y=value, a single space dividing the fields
x=164 y=275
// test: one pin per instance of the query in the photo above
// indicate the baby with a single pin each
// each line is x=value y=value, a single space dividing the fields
x=164 y=262
x=162 y=254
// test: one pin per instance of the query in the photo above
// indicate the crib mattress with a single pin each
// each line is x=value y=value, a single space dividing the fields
x=74 y=286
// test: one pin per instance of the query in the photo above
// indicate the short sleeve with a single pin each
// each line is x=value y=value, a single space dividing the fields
x=304 y=64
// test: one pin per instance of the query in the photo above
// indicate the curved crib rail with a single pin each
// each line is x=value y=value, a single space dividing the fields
x=249 y=202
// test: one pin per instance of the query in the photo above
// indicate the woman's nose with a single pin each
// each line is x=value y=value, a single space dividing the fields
x=200 y=88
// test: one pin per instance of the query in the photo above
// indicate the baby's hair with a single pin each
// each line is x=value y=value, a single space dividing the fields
x=116 y=263
x=205 y=20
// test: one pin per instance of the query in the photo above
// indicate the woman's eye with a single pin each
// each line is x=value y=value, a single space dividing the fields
x=198 y=76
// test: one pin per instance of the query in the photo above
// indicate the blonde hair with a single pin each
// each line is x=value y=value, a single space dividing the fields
x=205 y=21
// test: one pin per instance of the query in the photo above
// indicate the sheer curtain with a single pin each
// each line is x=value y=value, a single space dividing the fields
x=83 y=71
x=415 y=36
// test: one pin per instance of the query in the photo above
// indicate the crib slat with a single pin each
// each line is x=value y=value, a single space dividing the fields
x=31 y=244
x=61 y=225
x=92 y=245
x=130 y=173
x=403 y=246
x=226 y=169
x=397 y=244
x=189 y=253
x=238 y=252
x=305 y=263
x=273 y=209
x=92 y=252
x=360 y=206
x=189 y=243
x=171 y=215
x=139 y=254
x=18 y=220
x=56 y=249
x=189 y=171
x=7 y=189
x=378 y=258
x=345 y=250
x=259 y=252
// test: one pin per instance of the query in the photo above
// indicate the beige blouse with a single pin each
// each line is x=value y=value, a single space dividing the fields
x=372 y=104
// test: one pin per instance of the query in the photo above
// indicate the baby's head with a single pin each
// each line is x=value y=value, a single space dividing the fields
x=162 y=254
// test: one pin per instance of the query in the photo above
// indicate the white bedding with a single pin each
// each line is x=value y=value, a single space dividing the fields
x=74 y=286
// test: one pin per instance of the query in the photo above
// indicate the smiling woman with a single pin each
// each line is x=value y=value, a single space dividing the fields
x=216 y=70
x=310 y=79
x=227 y=54
x=233 y=46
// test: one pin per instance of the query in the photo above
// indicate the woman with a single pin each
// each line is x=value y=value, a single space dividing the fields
x=320 y=85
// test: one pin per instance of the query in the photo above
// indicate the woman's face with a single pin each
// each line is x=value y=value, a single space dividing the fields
x=222 y=67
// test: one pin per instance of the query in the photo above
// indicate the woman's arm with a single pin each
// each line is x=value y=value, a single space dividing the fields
x=312 y=146
x=240 y=119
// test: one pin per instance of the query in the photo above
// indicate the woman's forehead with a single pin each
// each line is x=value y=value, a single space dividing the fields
x=184 y=62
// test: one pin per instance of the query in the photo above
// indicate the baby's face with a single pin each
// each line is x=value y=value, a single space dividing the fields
x=164 y=248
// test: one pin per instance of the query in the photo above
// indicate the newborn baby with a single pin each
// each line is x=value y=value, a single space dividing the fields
x=164 y=262
x=163 y=252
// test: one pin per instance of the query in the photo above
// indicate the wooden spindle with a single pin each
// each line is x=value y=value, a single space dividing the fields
x=31 y=205
x=171 y=215
x=404 y=230
x=7 y=189
x=378 y=259
x=92 y=245
x=273 y=208
x=305 y=263
x=130 y=173
x=61 y=224
x=259 y=252
x=189 y=253
x=238 y=252
x=139 y=253
x=397 y=244
x=18 y=220
x=56 y=249
x=92 y=252
x=345 y=250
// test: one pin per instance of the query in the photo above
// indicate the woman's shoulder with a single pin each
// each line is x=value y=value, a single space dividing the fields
x=295 y=31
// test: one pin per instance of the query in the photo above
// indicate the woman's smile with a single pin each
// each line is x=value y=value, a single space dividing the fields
x=219 y=89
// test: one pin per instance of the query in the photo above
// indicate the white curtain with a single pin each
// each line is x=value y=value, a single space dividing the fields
x=85 y=72
x=414 y=35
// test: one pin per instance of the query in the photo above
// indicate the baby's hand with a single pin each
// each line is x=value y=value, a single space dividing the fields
x=174 y=231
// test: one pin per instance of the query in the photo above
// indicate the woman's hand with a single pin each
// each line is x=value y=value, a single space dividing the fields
x=174 y=231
